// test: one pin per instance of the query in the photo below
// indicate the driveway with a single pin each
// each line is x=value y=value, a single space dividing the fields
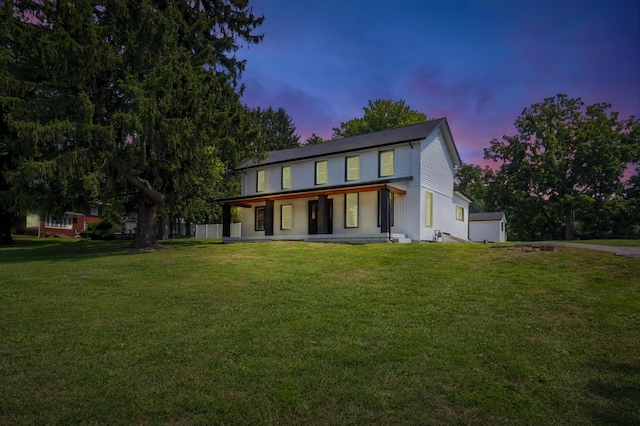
x=620 y=251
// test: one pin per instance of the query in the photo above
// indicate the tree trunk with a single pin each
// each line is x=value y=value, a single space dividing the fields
x=146 y=224
x=6 y=220
x=163 y=229
x=569 y=233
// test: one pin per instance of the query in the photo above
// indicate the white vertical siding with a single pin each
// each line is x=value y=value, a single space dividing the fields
x=488 y=230
x=436 y=168
x=303 y=172
x=428 y=162
x=460 y=228
x=413 y=214
x=303 y=175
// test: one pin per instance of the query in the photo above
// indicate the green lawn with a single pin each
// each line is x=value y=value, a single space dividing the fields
x=304 y=333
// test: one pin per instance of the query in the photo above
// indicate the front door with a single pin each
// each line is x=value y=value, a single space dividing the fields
x=313 y=217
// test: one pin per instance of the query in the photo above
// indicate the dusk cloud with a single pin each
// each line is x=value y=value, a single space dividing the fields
x=477 y=63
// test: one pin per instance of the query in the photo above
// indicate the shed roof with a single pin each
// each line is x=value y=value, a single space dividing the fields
x=478 y=217
x=404 y=134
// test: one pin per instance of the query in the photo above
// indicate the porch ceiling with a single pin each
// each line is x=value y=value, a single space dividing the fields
x=244 y=201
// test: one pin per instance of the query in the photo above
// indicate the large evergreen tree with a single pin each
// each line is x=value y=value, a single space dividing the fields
x=276 y=130
x=114 y=96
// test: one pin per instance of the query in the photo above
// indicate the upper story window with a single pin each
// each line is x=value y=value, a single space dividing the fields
x=460 y=213
x=260 y=181
x=352 y=168
x=386 y=163
x=94 y=211
x=286 y=177
x=322 y=172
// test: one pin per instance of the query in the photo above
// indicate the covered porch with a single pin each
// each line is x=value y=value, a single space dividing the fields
x=345 y=213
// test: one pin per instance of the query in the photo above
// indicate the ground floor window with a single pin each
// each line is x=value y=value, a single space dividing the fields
x=65 y=222
x=428 y=209
x=351 y=210
x=260 y=218
x=286 y=216
x=460 y=213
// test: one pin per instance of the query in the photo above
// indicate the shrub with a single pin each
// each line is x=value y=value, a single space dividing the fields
x=100 y=230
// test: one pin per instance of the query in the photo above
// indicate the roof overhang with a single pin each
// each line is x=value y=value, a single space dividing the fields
x=451 y=145
x=309 y=193
x=463 y=196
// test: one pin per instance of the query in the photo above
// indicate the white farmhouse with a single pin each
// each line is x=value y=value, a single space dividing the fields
x=393 y=185
x=489 y=227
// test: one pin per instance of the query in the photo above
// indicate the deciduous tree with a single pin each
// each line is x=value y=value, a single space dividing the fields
x=380 y=115
x=472 y=181
x=567 y=163
x=315 y=139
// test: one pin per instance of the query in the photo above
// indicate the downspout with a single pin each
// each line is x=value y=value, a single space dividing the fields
x=388 y=211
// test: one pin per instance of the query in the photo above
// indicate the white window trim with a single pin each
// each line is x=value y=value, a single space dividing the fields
x=348 y=169
x=260 y=183
x=286 y=184
x=428 y=209
x=325 y=174
x=65 y=222
x=381 y=164
x=282 y=217
x=355 y=212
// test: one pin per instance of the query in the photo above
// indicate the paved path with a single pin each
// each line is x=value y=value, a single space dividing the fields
x=620 y=251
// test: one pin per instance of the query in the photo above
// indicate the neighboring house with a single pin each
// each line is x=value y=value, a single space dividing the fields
x=489 y=227
x=391 y=185
x=67 y=224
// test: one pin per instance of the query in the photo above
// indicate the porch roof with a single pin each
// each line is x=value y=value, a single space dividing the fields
x=328 y=190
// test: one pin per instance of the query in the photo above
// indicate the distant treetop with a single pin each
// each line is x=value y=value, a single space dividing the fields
x=380 y=115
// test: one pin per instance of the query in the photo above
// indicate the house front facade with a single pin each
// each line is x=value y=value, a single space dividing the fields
x=393 y=185
x=66 y=225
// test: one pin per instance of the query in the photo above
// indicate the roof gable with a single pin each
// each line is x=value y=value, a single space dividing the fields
x=405 y=134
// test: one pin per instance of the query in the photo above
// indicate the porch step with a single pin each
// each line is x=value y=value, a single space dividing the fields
x=401 y=239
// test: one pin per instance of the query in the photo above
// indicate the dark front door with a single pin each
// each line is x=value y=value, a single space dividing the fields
x=313 y=217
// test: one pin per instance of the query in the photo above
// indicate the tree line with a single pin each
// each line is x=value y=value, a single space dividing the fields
x=137 y=103
x=571 y=171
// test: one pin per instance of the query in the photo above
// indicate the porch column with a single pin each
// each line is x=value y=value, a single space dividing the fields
x=323 y=214
x=226 y=220
x=268 y=217
x=384 y=210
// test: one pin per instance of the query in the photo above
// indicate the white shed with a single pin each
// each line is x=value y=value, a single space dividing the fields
x=490 y=227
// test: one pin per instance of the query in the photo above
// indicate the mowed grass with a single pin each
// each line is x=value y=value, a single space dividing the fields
x=304 y=333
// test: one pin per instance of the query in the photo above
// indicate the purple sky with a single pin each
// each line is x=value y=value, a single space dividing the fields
x=477 y=62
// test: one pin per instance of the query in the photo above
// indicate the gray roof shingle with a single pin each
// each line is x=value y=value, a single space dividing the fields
x=479 y=217
x=411 y=133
